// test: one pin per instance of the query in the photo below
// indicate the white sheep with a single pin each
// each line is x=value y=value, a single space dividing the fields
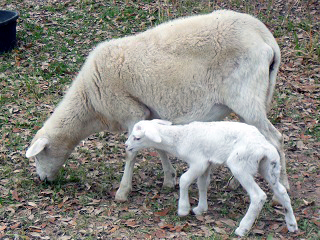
x=198 y=68
x=241 y=147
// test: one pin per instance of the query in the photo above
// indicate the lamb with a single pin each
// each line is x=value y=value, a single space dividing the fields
x=241 y=147
x=198 y=68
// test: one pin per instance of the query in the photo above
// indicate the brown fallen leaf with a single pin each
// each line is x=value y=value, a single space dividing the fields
x=316 y=222
x=131 y=223
x=14 y=226
x=153 y=154
x=159 y=233
x=3 y=227
x=165 y=225
x=15 y=195
x=115 y=228
x=219 y=230
x=163 y=213
x=258 y=231
x=32 y=204
x=229 y=222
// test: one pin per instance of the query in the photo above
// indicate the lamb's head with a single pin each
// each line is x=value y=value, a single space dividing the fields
x=50 y=153
x=144 y=134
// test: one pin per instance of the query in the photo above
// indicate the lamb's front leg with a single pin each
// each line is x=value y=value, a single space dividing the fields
x=185 y=181
x=126 y=181
x=168 y=171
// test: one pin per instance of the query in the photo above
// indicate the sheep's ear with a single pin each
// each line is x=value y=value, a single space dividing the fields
x=162 y=122
x=37 y=147
x=153 y=134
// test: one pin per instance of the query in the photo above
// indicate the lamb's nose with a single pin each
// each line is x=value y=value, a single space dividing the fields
x=126 y=145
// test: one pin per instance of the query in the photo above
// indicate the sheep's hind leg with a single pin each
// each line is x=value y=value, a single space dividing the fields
x=270 y=170
x=203 y=184
x=168 y=170
x=257 y=196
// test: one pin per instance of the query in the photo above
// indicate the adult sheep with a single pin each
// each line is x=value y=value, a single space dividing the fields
x=198 y=68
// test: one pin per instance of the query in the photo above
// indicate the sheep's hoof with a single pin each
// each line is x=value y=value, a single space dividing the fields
x=168 y=185
x=169 y=182
x=121 y=197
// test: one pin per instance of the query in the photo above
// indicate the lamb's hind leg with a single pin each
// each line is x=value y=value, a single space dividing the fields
x=257 y=196
x=254 y=114
x=270 y=170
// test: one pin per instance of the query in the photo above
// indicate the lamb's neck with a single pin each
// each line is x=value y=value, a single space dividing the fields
x=170 y=138
x=73 y=119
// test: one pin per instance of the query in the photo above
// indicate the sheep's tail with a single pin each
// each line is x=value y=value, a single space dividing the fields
x=273 y=70
x=274 y=62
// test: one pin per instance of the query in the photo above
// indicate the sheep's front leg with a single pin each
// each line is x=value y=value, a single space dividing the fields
x=185 y=181
x=126 y=181
x=203 y=184
x=169 y=172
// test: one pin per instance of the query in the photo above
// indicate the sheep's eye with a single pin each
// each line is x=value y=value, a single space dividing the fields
x=136 y=138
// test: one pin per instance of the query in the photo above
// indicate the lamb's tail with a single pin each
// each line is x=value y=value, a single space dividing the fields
x=270 y=165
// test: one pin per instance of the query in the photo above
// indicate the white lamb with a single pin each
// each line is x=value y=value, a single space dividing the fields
x=241 y=147
x=199 y=68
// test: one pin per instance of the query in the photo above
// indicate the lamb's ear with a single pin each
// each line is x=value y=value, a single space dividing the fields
x=153 y=134
x=37 y=147
x=162 y=122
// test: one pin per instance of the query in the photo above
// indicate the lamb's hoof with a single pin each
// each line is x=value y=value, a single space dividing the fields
x=198 y=211
x=275 y=201
x=293 y=227
x=241 y=231
x=121 y=197
x=183 y=213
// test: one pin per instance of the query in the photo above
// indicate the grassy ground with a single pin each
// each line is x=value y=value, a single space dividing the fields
x=54 y=38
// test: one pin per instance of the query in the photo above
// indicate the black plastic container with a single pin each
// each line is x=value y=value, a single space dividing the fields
x=8 y=23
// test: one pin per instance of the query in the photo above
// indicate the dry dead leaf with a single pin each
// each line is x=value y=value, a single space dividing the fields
x=219 y=230
x=3 y=227
x=115 y=228
x=14 y=226
x=163 y=213
x=229 y=222
x=15 y=195
x=32 y=204
x=258 y=231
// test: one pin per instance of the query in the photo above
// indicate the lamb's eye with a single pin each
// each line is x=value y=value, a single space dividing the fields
x=136 y=138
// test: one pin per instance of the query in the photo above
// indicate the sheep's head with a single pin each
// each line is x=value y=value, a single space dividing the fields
x=144 y=134
x=50 y=153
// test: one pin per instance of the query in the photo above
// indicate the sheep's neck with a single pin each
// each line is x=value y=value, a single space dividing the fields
x=73 y=120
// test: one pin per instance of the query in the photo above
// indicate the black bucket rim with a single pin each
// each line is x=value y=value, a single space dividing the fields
x=14 y=17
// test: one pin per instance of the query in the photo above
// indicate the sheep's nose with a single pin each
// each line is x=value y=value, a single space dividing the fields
x=126 y=145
